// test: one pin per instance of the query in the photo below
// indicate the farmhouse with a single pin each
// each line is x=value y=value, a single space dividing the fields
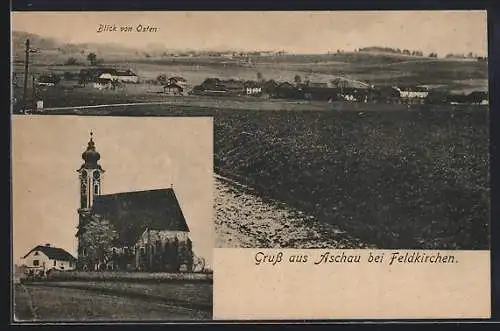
x=353 y=94
x=48 y=80
x=147 y=228
x=103 y=83
x=478 y=97
x=177 y=80
x=119 y=75
x=172 y=89
x=125 y=76
x=216 y=86
x=253 y=88
x=413 y=94
x=45 y=257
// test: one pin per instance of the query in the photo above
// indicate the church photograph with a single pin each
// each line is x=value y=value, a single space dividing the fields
x=142 y=230
x=128 y=201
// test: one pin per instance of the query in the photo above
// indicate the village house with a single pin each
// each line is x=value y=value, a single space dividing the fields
x=117 y=75
x=103 y=83
x=125 y=76
x=47 y=80
x=177 y=80
x=151 y=231
x=253 y=88
x=43 y=258
x=478 y=98
x=413 y=94
x=216 y=86
x=351 y=94
x=172 y=89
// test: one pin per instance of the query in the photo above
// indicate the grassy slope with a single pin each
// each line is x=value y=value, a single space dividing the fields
x=395 y=179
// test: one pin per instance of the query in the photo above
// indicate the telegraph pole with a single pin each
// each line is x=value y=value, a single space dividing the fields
x=26 y=61
x=33 y=92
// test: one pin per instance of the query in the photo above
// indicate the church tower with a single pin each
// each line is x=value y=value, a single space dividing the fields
x=90 y=177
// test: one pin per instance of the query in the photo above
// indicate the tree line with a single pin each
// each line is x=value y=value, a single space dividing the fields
x=392 y=50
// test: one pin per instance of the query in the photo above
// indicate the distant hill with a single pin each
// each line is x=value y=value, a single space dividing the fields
x=50 y=46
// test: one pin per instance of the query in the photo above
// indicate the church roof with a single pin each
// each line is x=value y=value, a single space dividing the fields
x=132 y=212
x=53 y=253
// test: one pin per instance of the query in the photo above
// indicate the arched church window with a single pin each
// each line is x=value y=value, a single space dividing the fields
x=96 y=189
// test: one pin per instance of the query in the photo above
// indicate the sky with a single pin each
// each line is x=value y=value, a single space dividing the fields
x=298 y=32
x=136 y=154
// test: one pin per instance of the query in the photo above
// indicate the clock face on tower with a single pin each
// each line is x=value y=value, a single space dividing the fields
x=97 y=174
x=84 y=174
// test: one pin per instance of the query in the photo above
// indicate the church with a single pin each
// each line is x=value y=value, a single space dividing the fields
x=134 y=231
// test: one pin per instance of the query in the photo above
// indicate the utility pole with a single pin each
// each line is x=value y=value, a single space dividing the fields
x=26 y=61
x=33 y=92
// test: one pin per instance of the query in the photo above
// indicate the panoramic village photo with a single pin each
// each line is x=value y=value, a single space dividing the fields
x=112 y=218
x=330 y=129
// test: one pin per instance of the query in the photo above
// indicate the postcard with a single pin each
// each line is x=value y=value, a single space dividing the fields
x=309 y=164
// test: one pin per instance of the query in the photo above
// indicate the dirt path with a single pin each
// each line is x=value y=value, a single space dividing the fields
x=245 y=220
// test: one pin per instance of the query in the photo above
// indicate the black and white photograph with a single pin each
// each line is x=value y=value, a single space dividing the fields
x=331 y=129
x=112 y=218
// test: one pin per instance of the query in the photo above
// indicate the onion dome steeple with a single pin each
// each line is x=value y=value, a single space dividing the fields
x=91 y=156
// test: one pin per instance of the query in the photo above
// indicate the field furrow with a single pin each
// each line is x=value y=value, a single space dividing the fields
x=245 y=220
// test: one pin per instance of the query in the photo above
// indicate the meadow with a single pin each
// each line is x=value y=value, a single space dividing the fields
x=86 y=302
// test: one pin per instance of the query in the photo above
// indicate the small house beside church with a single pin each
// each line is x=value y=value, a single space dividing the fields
x=45 y=258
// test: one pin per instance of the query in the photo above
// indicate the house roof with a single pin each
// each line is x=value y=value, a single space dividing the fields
x=132 y=212
x=120 y=72
x=53 y=253
x=178 y=79
x=112 y=71
x=411 y=88
x=252 y=84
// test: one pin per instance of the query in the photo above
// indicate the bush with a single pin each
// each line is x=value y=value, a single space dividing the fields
x=71 y=61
